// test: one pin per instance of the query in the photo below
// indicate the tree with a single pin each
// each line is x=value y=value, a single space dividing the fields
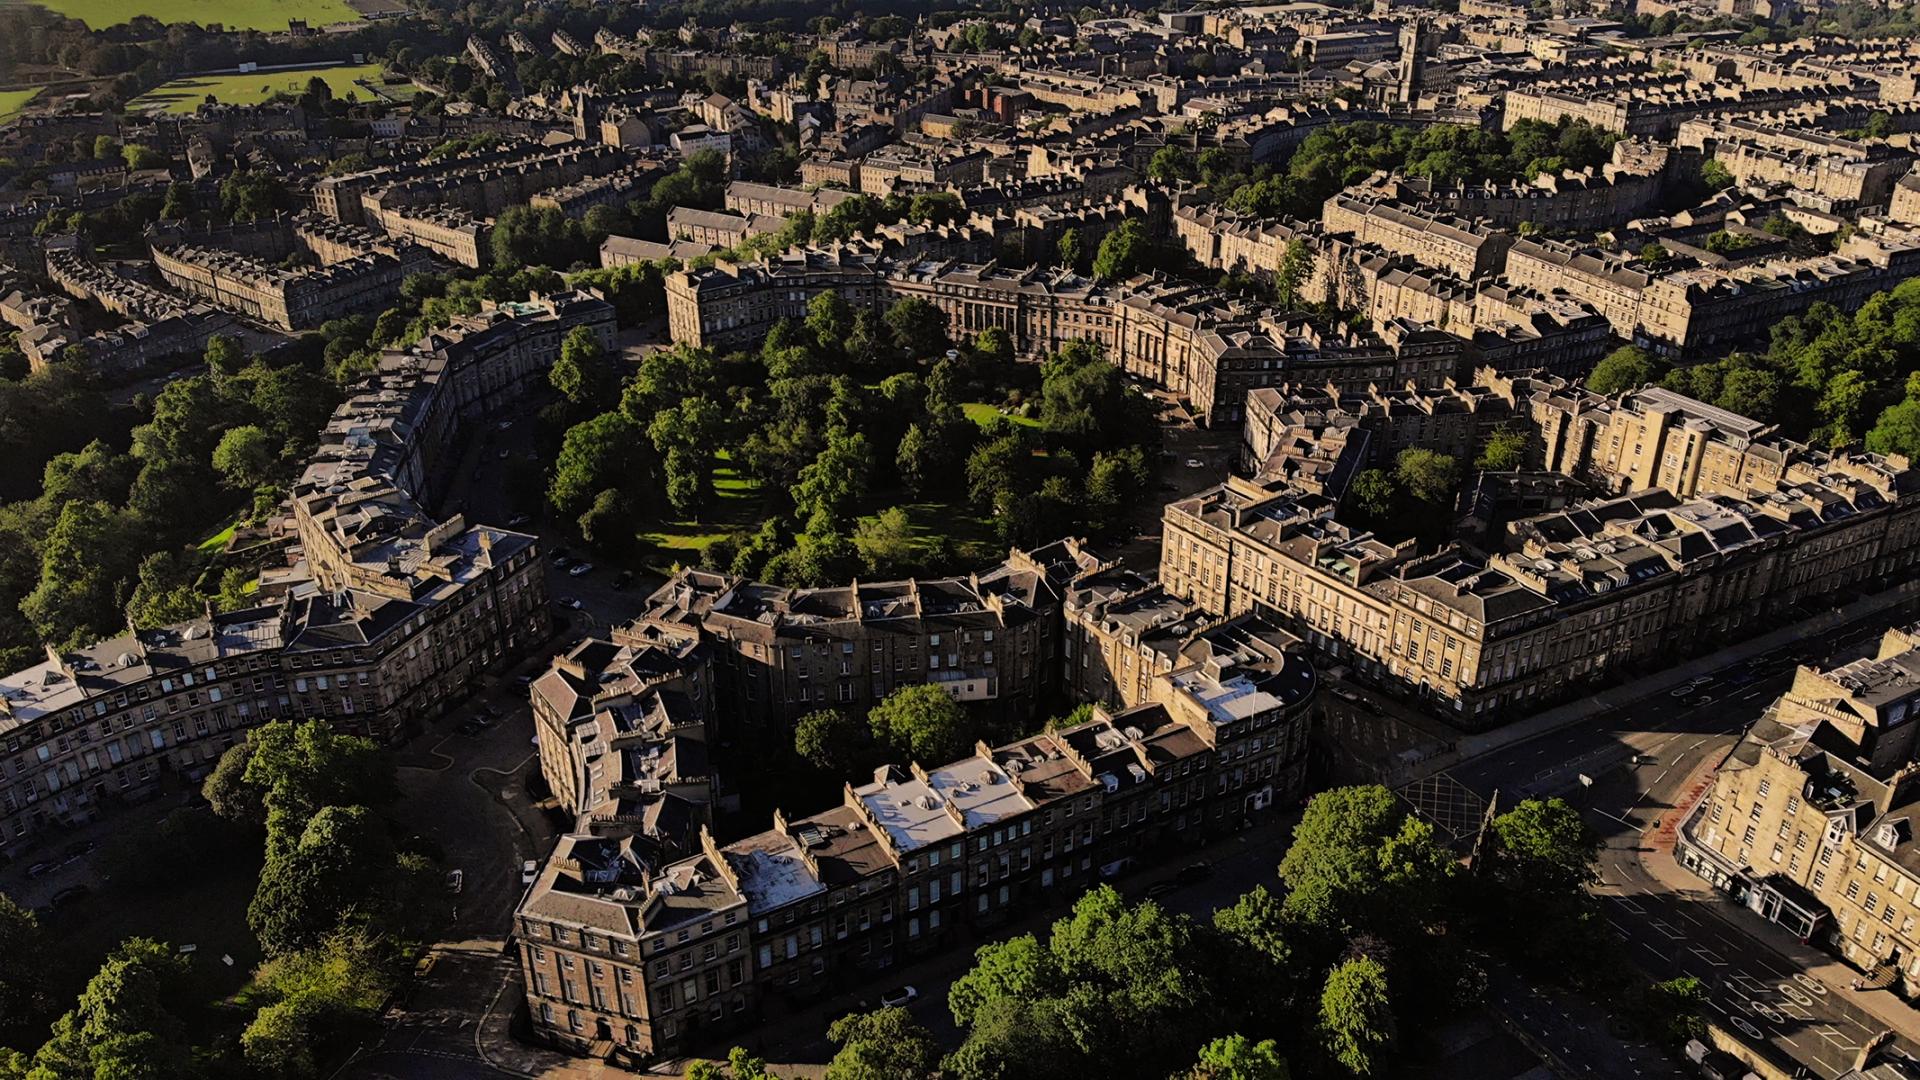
x=607 y=451
x=1071 y=250
x=825 y=491
x=1626 y=368
x=1296 y=266
x=1360 y=862
x=140 y=157
x=739 y=1065
x=833 y=742
x=124 y=1025
x=245 y=457
x=24 y=995
x=916 y=460
x=341 y=868
x=830 y=320
x=1113 y=483
x=1172 y=165
x=228 y=791
x=921 y=722
x=887 y=1044
x=1124 y=252
x=1236 y=1057
x=1716 y=175
x=887 y=543
x=1505 y=451
x=1427 y=475
x=250 y=194
x=1897 y=431
x=1670 y=1010
x=582 y=374
x=224 y=355
x=918 y=328
x=164 y=594
x=85 y=558
x=299 y=768
x=608 y=523
x=1356 y=1017
x=1373 y=493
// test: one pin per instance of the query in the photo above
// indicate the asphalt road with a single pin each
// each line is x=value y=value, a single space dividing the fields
x=1642 y=762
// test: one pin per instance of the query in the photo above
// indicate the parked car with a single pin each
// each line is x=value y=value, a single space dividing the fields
x=623 y=579
x=1195 y=463
x=518 y=520
x=456 y=880
x=1162 y=888
x=528 y=871
x=1194 y=872
x=899 y=997
x=580 y=569
x=68 y=896
x=523 y=680
x=41 y=868
x=559 y=556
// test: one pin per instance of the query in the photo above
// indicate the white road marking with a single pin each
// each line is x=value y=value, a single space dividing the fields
x=1668 y=930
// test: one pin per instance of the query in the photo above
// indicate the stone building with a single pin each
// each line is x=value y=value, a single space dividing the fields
x=630 y=958
x=1808 y=822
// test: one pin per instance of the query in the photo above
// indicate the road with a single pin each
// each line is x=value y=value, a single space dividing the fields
x=1641 y=763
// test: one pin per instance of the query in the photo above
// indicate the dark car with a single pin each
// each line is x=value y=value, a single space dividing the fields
x=1194 y=873
x=68 y=896
x=1162 y=888
x=623 y=579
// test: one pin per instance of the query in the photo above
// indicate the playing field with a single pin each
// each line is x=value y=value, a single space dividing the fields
x=185 y=95
x=233 y=14
x=12 y=101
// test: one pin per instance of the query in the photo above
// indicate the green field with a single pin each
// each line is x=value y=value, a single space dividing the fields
x=186 y=95
x=984 y=415
x=736 y=504
x=12 y=101
x=234 y=15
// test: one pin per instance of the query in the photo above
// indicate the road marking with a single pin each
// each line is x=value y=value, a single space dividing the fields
x=1708 y=955
x=1668 y=930
x=1751 y=1031
x=1795 y=994
x=1630 y=905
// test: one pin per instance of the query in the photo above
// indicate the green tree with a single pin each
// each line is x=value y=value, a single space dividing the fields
x=297 y=769
x=1626 y=368
x=607 y=451
x=1296 y=267
x=1172 y=165
x=245 y=457
x=1360 y=862
x=583 y=374
x=917 y=460
x=164 y=594
x=833 y=742
x=1505 y=451
x=1236 y=1057
x=341 y=868
x=228 y=791
x=1373 y=492
x=1124 y=252
x=1671 y=1010
x=1071 y=250
x=1897 y=431
x=24 y=994
x=1716 y=175
x=1356 y=1018
x=125 y=1025
x=830 y=321
x=224 y=355
x=87 y=555
x=887 y=543
x=923 y=723
x=825 y=491
x=1427 y=475
x=887 y=1044
x=918 y=328
x=608 y=523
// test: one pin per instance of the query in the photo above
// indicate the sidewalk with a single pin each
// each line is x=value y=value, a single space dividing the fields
x=1883 y=1005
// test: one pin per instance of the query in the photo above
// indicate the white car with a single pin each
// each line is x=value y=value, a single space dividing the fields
x=580 y=569
x=528 y=871
x=1195 y=463
x=456 y=880
x=899 y=997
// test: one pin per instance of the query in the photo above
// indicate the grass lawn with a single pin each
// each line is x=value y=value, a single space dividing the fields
x=234 y=15
x=186 y=95
x=984 y=415
x=736 y=504
x=215 y=544
x=970 y=537
x=12 y=101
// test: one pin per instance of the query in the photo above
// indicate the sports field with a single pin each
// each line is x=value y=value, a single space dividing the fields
x=12 y=101
x=185 y=95
x=233 y=14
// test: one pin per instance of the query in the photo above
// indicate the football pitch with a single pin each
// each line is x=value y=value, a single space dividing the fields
x=186 y=95
x=234 y=14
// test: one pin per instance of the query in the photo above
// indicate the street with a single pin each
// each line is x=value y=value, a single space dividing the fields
x=1631 y=773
